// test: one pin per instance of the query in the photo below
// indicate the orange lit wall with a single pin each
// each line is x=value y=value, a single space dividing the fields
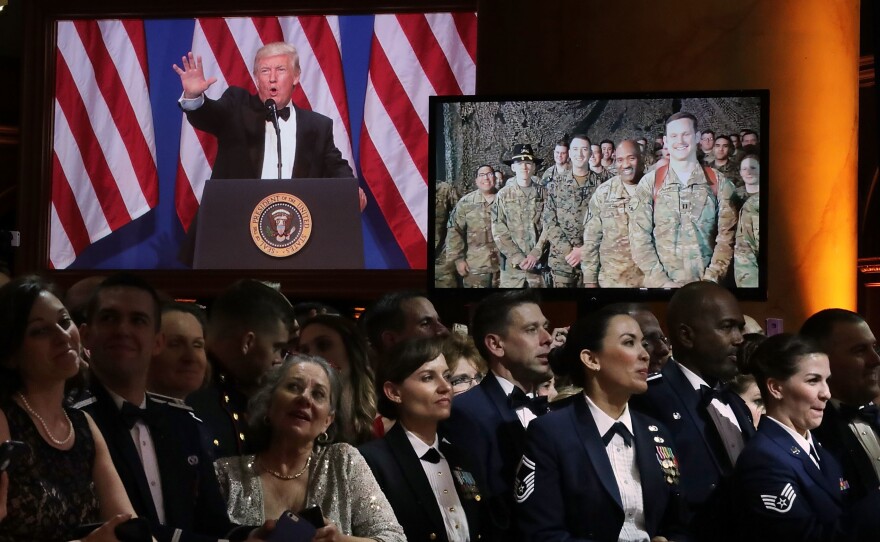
x=804 y=51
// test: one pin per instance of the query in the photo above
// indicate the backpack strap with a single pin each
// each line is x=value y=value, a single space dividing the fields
x=660 y=176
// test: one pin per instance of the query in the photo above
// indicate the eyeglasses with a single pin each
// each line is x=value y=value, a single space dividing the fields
x=486 y=174
x=464 y=382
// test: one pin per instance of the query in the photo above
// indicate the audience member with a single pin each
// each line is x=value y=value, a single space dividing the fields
x=849 y=428
x=68 y=478
x=297 y=466
x=247 y=333
x=466 y=366
x=656 y=343
x=400 y=315
x=511 y=333
x=180 y=367
x=340 y=342
x=594 y=469
x=156 y=445
x=787 y=486
x=430 y=483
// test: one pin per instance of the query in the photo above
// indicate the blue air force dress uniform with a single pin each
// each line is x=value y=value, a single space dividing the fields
x=849 y=433
x=402 y=474
x=569 y=488
x=787 y=487
x=492 y=426
x=190 y=493
x=702 y=451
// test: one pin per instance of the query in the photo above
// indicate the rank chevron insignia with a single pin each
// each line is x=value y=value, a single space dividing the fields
x=781 y=503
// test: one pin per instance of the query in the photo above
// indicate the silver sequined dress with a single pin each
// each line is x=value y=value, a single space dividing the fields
x=340 y=482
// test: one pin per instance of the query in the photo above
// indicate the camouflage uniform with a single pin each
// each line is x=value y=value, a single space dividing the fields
x=445 y=199
x=745 y=253
x=567 y=202
x=607 y=258
x=550 y=174
x=469 y=238
x=687 y=234
x=518 y=233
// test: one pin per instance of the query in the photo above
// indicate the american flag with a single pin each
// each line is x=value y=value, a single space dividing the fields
x=411 y=57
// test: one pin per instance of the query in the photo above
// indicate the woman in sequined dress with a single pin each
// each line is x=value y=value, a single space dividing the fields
x=67 y=478
x=298 y=467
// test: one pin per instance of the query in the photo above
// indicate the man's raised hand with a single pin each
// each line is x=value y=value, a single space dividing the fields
x=192 y=77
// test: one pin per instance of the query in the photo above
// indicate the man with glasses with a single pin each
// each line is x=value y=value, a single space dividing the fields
x=707 y=147
x=247 y=333
x=561 y=163
x=469 y=242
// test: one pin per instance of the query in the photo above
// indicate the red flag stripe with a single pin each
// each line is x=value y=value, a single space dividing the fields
x=466 y=24
x=432 y=58
x=137 y=35
x=98 y=170
x=226 y=52
x=317 y=30
x=186 y=203
x=120 y=107
x=71 y=220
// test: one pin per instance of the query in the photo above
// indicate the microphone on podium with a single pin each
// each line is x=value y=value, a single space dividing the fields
x=273 y=116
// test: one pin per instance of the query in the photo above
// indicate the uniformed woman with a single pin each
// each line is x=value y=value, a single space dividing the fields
x=594 y=469
x=786 y=486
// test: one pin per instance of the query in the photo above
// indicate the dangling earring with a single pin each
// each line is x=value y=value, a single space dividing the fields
x=323 y=438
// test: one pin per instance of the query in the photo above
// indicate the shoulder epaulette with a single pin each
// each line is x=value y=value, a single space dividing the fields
x=655 y=377
x=170 y=401
x=84 y=403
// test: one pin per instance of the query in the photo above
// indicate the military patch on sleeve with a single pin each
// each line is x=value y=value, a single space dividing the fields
x=781 y=503
x=525 y=480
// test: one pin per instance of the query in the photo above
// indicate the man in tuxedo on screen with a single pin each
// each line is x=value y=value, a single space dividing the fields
x=244 y=127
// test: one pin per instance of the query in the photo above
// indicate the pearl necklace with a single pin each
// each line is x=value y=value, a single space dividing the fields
x=27 y=406
x=280 y=476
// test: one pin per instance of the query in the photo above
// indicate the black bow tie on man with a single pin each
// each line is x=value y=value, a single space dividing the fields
x=707 y=394
x=283 y=113
x=131 y=414
x=869 y=413
x=518 y=399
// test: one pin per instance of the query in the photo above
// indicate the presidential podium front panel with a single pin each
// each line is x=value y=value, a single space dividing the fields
x=279 y=224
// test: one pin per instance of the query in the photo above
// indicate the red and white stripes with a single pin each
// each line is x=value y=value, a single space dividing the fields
x=104 y=160
x=413 y=56
x=228 y=47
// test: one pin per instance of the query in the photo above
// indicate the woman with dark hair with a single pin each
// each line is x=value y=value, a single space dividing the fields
x=339 y=341
x=429 y=482
x=595 y=469
x=67 y=477
x=786 y=486
x=297 y=466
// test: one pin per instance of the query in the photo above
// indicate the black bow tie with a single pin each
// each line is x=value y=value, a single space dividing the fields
x=431 y=456
x=283 y=113
x=518 y=399
x=869 y=413
x=132 y=414
x=707 y=394
x=618 y=429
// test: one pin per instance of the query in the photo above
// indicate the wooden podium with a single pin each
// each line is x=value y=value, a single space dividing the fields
x=286 y=224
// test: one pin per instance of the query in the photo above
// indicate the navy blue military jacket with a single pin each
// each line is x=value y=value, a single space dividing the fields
x=566 y=489
x=672 y=399
x=836 y=436
x=195 y=510
x=399 y=472
x=780 y=494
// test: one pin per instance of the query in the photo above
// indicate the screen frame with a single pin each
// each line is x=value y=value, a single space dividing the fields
x=594 y=297
x=34 y=187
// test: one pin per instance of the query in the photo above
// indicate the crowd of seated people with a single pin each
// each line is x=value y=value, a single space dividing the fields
x=187 y=428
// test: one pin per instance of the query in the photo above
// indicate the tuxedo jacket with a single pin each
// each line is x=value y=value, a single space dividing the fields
x=483 y=422
x=195 y=510
x=780 y=494
x=704 y=463
x=566 y=488
x=399 y=472
x=836 y=436
x=238 y=120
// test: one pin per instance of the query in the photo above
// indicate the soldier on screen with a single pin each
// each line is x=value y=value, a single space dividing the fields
x=561 y=163
x=445 y=199
x=681 y=222
x=469 y=243
x=516 y=222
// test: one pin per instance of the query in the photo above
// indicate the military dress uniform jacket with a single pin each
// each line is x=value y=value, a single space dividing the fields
x=567 y=489
x=684 y=233
x=399 y=472
x=607 y=257
x=191 y=493
x=836 y=436
x=704 y=462
x=223 y=408
x=483 y=421
x=238 y=120
x=780 y=494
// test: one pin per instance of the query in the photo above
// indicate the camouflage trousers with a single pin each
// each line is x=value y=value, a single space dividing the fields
x=481 y=280
x=444 y=273
x=564 y=275
x=517 y=278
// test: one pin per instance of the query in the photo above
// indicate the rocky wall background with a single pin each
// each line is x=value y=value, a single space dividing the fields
x=474 y=133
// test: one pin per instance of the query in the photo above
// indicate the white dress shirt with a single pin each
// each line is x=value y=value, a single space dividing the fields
x=440 y=478
x=523 y=413
x=805 y=444
x=626 y=472
x=723 y=418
